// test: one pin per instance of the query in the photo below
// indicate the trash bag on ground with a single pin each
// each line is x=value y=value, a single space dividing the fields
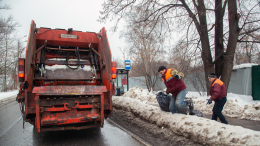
x=164 y=101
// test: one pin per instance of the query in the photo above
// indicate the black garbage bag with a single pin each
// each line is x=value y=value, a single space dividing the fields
x=164 y=101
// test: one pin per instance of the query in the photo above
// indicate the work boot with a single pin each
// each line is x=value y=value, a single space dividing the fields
x=184 y=110
x=191 y=106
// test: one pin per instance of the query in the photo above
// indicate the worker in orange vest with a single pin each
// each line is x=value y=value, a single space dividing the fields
x=218 y=94
x=175 y=86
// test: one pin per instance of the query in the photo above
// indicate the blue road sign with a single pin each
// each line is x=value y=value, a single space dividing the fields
x=127 y=64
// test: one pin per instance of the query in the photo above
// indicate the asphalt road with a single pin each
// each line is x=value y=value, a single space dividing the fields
x=13 y=134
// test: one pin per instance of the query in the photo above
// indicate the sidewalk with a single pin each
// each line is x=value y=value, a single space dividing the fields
x=254 y=125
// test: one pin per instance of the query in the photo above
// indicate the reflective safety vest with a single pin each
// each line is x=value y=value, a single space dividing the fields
x=218 y=81
x=168 y=75
x=173 y=85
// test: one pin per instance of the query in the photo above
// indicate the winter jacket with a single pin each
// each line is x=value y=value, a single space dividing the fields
x=217 y=90
x=173 y=85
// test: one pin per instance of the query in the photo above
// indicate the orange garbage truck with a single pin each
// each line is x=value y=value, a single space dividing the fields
x=66 y=79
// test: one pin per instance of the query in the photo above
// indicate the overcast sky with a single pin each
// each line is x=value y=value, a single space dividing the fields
x=77 y=14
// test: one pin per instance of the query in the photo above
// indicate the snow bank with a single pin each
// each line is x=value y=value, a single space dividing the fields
x=237 y=106
x=245 y=65
x=7 y=97
x=55 y=67
x=198 y=129
x=141 y=94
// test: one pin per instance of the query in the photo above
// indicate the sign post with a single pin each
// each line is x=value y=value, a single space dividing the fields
x=127 y=64
x=127 y=68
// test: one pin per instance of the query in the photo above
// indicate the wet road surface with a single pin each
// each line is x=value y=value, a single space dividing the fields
x=13 y=134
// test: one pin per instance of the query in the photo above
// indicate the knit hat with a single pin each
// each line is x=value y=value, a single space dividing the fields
x=161 y=68
x=212 y=75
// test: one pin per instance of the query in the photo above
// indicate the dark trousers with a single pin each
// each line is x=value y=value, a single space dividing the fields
x=217 y=109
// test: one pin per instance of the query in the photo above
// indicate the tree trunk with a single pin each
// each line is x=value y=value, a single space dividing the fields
x=205 y=54
x=232 y=41
x=5 y=61
x=147 y=81
x=219 y=49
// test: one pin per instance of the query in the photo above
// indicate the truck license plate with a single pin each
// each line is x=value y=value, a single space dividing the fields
x=68 y=36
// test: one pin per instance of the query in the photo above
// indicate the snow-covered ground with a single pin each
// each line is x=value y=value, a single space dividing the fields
x=199 y=129
x=140 y=102
x=6 y=97
x=55 y=67
x=245 y=65
x=237 y=106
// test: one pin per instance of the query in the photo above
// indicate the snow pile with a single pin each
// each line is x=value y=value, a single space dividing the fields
x=55 y=67
x=201 y=130
x=141 y=94
x=245 y=65
x=237 y=106
x=7 y=97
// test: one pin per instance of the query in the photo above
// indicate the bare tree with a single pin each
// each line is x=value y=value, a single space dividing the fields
x=181 y=58
x=196 y=77
x=8 y=51
x=144 y=52
x=8 y=67
x=119 y=62
x=247 y=52
x=187 y=61
x=162 y=15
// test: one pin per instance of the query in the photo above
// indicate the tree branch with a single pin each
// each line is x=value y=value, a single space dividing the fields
x=211 y=27
x=194 y=3
x=158 y=10
x=249 y=41
x=188 y=33
x=248 y=15
x=125 y=6
x=250 y=31
x=219 y=55
x=191 y=15
x=210 y=10
x=252 y=21
x=224 y=7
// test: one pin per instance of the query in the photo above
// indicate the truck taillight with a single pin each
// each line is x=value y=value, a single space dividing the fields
x=113 y=70
x=21 y=75
x=21 y=69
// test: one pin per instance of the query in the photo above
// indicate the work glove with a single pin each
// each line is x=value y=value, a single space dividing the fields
x=167 y=92
x=177 y=77
x=209 y=101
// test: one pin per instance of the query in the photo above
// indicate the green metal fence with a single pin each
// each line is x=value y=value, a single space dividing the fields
x=256 y=82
